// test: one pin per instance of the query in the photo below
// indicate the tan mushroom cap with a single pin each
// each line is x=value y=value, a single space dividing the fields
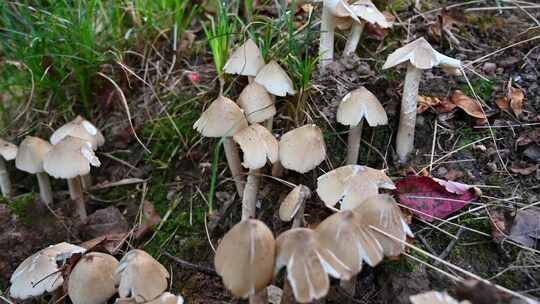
x=359 y=104
x=246 y=60
x=350 y=185
x=31 y=153
x=421 y=55
x=366 y=10
x=341 y=8
x=302 y=149
x=167 y=298
x=91 y=280
x=258 y=145
x=80 y=128
x=434 y=297
x=292 y=202
x=275 y=80
x=41 y=267
x=257 y=103
x=7 y=150
x=140 y=276
x=308 y=264
x=223 y=118
x=69 y=158
x=351 y=242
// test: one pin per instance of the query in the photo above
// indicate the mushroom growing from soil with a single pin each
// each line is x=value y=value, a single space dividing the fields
x=91 y=280
x=69 y=159
x=39 y=273
x=352 y=110
x=302 y=149
x=246 y=60
x=245 y=258
x=29 y=159
x=8 y=151
x=419 y=56
x=332 y=9
x=258 y=145
x=292 y=206
x=224 y=118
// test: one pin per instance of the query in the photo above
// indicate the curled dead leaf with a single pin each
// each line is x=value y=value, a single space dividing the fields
x=471 y=106
x=524 y=170
x=440 y=105
x=516 y=97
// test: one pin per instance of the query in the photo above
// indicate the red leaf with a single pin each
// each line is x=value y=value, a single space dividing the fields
x=433 y=198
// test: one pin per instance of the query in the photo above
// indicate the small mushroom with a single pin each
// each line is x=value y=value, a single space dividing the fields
x=302 y=149
x=352 y=110
x=69 y=159
x=292 y=207
x=39 y=273
x=275 y=80
x=224 y=118
x=8 y=151
x=332 y=9
x=29 y=159
x=419 y=56
x=245 y=258
x=91 y=280
x=246 y=60
x=434 y=297
x=140 y=277
x=256 y=103
x=351 y=185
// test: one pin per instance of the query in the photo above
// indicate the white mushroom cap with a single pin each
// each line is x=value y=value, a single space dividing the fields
x=434 y=297
x=292 y=202
x=222 y=118
x=359 y=104
x=31 y=153
x=420 y=54
x=91 y=280
x=366 y=10
x=80 y=128
x=7 y=150
x=140 y=276
x=167 y=298
x=302 y=149
x=257 y=103
x=350 y=185
x=246 y=60
x=245 y=258
x=275 y=80
x=258 y=145
x=69 y=158
x=39 y=273
x=340 y=8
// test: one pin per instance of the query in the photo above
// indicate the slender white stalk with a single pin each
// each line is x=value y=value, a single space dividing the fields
x=353 y=143
x=86 y=181
x=249 y=200
x=354 y=38
x=45 y=189
x=233 y=159
x=326 y=42
x=5 y=182
x=298 y=220
x=76 y=194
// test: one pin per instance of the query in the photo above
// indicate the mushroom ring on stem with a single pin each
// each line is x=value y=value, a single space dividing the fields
x=8 y=151
x=30 y=155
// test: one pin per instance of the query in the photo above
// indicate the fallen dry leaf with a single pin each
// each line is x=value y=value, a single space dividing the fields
x=516 y=97
x=528 y=137
x=150 y=218
x=440 y=105
x=471 y=106
x=500 y=221
x=503 y=103
x=524 y=170
x=526 y=227
x=445 y=24
x=104 y=221
x=112 y=242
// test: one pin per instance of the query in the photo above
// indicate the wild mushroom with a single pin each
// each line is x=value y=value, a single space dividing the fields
x=258 y=145
x=29 y=159
x=351 y=185
x=91 y=280
x=256 y=103
x=8 y=151
x=245 y=258
x=224 y=118
x=420 y=56
x=353 y=108
x=140 y=277
x=39 y=273
x=246 y=60
x=434 y=297
x=69 y=159
x=302 y=149
x=292 y=207
x=167 y=298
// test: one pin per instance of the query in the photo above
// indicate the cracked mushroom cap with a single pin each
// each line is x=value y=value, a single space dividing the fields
x=308 y=264
x=223 y=118
x=31 y=153
x=257 y=103
x=91 y=280
x=140 y=276
x=246 y=60
x=7 y=150
x=275 y=80
x=421 y=55
x=258 y=144
x=350 y=185
x=292 y=202
x=434 y=297
x=302 y=149
x=80 y=128
x=39 y=273
x=359 y=104
x=245 y=258
x=69 y=158
x=382 y=212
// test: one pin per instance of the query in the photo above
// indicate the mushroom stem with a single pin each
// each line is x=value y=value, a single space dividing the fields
x=249 y=200
x=45 y=189
x=233 y=159
x=86 y=181
x=298 y=221
x=353 y=143
x=407 y=119
x=259 y=298
x=5 y=182
x=326 y=42
x=76 y=194
x=354 y=38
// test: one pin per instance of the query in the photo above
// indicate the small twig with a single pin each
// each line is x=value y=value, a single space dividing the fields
x=446 y=252
x=191 y=266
